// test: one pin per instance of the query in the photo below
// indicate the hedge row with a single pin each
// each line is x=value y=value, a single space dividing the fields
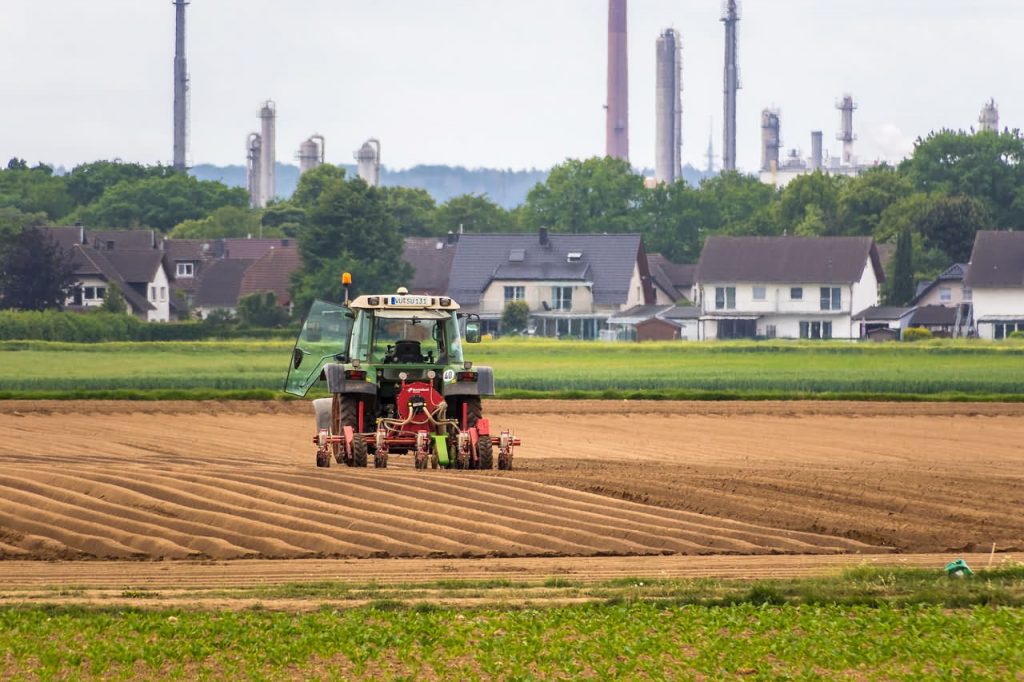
x=52 y=325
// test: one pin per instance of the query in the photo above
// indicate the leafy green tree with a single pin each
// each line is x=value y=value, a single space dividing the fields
x=34 y=190
x=515 y=317
x=35 y=273
x=348 y=230
x=261 y=310
x=901 y=287
x=864 y=198
x=413 y=209
x=738 y=205
x=88 y=181
x=987 y=166
x=160 y=202
x=950 y=223
x=471 y=213
x=811 y=202
x=672 y=221
x=114 y=302
x=284 y=217
x=594 y=195
x=223 y=223
x=13 y=221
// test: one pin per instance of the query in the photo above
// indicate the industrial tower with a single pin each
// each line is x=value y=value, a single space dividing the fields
x=846 y=107
x=368 y=162
x=617 y=108
x=311 y=153
x=732 y=83
x=668 y=125
x=771 y=140
x=262 y=158
x=989 y=118
x=180 y=87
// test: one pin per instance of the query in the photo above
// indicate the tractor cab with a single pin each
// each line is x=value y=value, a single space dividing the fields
x=398 y=381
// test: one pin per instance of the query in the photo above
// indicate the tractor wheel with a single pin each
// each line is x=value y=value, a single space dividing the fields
x=473 y=411
x=485 y=453
x=323 y=459
x=348 y=411
x=504 y=462
x=380 y=461
x=358 y=451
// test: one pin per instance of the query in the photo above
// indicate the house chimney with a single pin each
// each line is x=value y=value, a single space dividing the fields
x=544 y=239
x=452 y=237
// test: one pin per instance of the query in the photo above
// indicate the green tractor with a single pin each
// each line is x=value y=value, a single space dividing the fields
x=399 y=384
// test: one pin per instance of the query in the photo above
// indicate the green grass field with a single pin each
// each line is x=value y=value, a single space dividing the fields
x=939 y=370
x=867 y=624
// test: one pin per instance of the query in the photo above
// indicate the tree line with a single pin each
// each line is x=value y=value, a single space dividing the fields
x=929 y=206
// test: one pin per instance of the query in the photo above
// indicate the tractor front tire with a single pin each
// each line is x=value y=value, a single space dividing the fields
x=485 y=453
x=358 y=451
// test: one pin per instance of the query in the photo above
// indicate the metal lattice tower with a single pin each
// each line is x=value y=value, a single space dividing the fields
x=180 y=87
x=730 y=18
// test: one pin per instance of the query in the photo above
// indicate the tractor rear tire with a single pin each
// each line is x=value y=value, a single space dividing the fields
x=348 y=412
x=485 y=453
x=474 y=411
x=358 y=451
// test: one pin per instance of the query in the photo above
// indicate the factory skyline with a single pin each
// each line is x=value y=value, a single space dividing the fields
x=544 y=95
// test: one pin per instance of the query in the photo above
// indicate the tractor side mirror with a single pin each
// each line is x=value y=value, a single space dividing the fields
x=472 y=332
x=297 y=356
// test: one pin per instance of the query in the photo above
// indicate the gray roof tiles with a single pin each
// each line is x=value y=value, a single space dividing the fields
x=825 y=260
x=997 y=260
x=610 y=259
x=221 y=283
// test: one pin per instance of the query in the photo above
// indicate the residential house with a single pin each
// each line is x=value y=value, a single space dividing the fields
x=431 y=262
x=125 y=258
x=948 y=290
x=940 y=320
x=672 y=281
x=220 y=286
x=572 y=283
x=273 y=273
x=996 y=281
x=884 y=322
x=786 y=287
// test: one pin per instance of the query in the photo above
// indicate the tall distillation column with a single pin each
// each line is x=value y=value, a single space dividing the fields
x=180 y=87
x=770 y=140
x=668 y=107
x=268 y=154
x=617 y=108
x=989 y=118
x=311 y=153
x=368 y=162
x=732 y=83
x=253 y=153
x=846 y=107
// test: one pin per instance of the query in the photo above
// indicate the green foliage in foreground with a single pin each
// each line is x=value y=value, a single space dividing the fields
x=588 y=641
x=927 y=370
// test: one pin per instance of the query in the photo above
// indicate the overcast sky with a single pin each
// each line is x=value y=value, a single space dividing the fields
x=491 y=83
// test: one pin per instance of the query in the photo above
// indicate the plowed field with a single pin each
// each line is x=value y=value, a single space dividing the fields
x=94 y=480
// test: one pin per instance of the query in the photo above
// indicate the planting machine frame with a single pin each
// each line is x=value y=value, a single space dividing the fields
x=398 y=383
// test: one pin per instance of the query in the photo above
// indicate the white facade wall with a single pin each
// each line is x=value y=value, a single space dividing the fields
x=781 y=310
x=1000 y=302
x=536 y=294
x=158 y=293
x=636 y=290
x=956 y=295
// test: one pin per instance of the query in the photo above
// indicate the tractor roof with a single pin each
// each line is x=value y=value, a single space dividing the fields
x=404 y=302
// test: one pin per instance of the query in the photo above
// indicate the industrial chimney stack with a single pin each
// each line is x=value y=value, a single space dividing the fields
x=770 y=140
x=816 y=150
x=617 y=108
x=846 y=107
x=180 y=87
x=730 y=18
x=668 y=128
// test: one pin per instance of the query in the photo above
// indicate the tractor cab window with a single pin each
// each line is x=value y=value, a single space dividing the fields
x=324 y=338
x=413 y=337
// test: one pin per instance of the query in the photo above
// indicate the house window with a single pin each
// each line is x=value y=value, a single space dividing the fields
x=796 y=293
x=186 y=269
x=1002 y=330
x=163 y=293
x=815 y=330
x=152 y=293
x=514 y=294
x=945 y=294
x=573 y=256
x=831 y=298
x=725 y=298
x=94 y=293
x=760 y=293
x=561 y=298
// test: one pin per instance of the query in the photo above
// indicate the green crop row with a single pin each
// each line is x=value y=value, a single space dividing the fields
x=594 y=641
x=939 y=371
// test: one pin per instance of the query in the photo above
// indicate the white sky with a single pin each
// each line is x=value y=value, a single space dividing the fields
x=493 y=83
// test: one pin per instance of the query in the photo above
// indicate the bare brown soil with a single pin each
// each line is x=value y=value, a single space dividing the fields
x=88 y=480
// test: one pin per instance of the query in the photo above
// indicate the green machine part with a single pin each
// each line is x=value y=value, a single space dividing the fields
x=441 y=448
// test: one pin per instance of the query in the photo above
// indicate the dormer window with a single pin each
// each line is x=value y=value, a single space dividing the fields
x=186 y=269
x=574 y=257
x=516 y=255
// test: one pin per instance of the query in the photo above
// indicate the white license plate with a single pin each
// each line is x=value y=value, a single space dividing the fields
x=408 y=300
